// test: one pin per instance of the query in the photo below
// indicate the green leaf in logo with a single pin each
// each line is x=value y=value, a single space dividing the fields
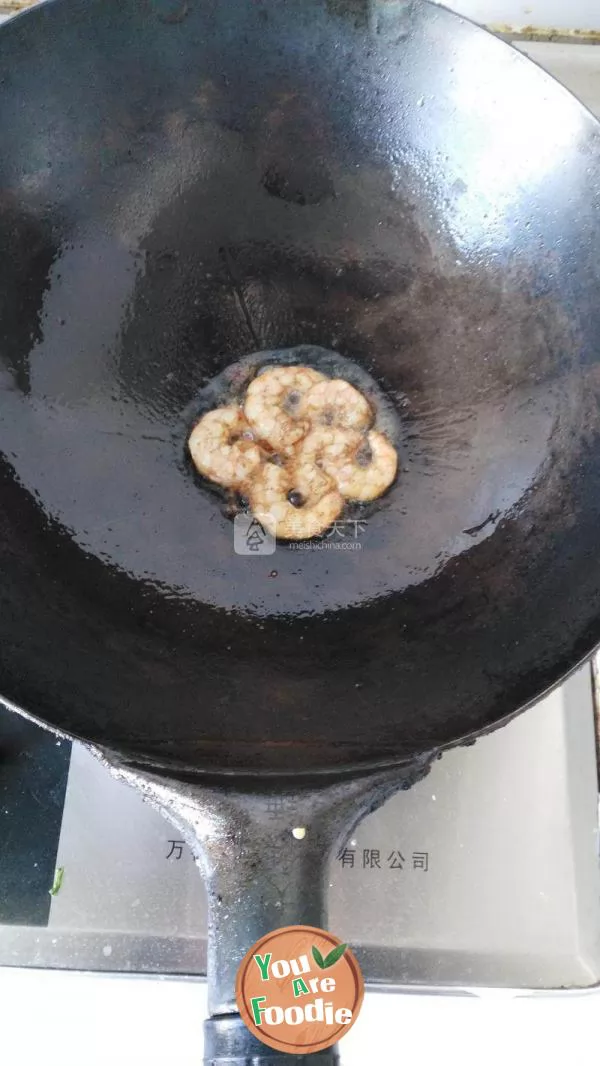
x=316 y=954
x=334 y=956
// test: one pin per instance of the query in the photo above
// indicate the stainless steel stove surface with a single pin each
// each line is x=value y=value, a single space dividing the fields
x=485 y=874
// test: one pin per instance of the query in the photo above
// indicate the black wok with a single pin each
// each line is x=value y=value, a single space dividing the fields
x=184 y=184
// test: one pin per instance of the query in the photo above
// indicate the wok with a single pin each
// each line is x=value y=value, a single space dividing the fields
x=185 y=183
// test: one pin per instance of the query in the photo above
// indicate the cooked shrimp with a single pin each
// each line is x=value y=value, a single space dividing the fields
x=222 y=448
x=370 y=470
x=334 y=402
x=271 y=493
x=326 y=453
x=362 y=466
x=327 y=448
x=272 y=403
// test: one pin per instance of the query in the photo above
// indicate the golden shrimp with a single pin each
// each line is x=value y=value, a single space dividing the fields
x=334 y=402
x=370 y=470
x=272 y=403
x=222 y=448
x=271 y=493
x=362 y=466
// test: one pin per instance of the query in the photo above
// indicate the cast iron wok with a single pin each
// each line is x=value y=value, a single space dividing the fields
x=182 y=184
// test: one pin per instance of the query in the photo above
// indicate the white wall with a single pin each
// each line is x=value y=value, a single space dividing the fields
x=559 y=14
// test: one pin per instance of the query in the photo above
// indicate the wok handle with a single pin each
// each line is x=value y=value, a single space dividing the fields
x=264 y=850
x=227 y=1042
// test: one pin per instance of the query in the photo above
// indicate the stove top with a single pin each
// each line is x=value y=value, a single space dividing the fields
x=485 y=874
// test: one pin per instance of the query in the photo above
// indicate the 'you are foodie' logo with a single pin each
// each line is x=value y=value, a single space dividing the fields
x=299 y=989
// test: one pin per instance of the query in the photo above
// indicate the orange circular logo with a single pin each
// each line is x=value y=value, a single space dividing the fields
x=299 y=989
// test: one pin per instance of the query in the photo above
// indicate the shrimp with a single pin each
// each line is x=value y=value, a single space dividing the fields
x=362 y=466
x=334 y=402
x=326 y=452
x=271 y=493
x=370 y=470
x=222 y=448
x=272 y=403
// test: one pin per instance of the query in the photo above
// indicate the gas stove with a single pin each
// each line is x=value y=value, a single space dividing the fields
x=485 y=874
